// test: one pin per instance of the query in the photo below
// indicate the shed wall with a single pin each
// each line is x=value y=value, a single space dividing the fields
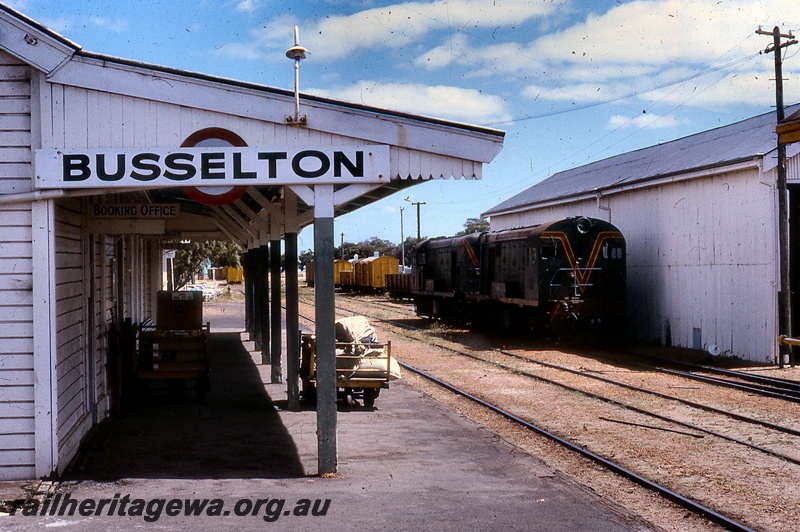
x=701 y=260
x=17 y=441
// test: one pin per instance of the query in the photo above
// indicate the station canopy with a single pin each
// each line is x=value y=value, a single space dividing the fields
x=225 y=152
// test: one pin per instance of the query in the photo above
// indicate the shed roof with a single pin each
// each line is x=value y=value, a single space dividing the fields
x=723 y=146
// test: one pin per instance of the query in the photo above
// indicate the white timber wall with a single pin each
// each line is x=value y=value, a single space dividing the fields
x=701 y=260
x=73 y=394
x=100 y=317
x=17 y=427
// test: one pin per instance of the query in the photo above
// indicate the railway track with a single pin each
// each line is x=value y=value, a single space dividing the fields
x=785 y=389
x=763 y=436
x=610 y=465
x=685 y=502
x=590 y=376
x=771 y=386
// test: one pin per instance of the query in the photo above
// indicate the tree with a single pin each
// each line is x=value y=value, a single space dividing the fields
x=474 y=225
x=190 y=260
x=305 y=257
x=410 y=243
x=367 y=248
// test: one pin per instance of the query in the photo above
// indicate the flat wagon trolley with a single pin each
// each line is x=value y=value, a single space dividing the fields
x=364 y=366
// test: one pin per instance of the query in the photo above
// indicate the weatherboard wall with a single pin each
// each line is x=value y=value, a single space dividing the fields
x=701 y=258
x=17 y=440
x=72 y=378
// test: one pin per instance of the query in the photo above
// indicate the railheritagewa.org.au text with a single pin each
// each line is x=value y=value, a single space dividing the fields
x=151 y=510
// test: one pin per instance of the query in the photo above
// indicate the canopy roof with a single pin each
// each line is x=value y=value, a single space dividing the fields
x=421 y=148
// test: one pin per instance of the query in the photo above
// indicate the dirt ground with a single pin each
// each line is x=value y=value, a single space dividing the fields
x=733 y=479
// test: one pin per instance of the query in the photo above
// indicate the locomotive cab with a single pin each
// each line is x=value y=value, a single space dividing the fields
x=582 y=275
x=567 y=275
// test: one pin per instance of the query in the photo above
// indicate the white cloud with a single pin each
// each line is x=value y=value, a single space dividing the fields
x=642 y=121
x=639 y=46
x=398 y=25
x=248 y=6
x=238 y=51
x=116 y=25
x=753 y=87
x=451 y=103
x=443 y=55
x=405 y=23
x=632 y=49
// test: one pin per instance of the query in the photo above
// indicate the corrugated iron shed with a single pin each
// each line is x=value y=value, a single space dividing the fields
x=718 y=147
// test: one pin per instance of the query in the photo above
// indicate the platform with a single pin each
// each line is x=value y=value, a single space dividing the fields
x=411 y=464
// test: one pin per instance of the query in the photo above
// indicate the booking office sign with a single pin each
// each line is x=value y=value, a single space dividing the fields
x=210 y=166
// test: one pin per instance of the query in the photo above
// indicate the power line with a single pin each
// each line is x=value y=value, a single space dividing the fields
x=630 y=94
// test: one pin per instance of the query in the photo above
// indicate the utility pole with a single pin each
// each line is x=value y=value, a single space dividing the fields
x=402 y=243
x=785 y=303
x=419 y=237
x=341 y=247
x=417 y=203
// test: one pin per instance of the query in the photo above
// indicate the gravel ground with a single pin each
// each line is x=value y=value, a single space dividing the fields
x=747 y=485
x=744 y=484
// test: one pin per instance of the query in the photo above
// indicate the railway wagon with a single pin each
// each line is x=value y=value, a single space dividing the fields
x=235 y=275
x=309 y=273
x=359 y=274
x=339 y=266
x=398 y=285
x=370 y=273
x=347 y=280
x=565 y=275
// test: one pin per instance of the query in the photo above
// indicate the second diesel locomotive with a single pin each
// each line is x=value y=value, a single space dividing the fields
x=567 y=276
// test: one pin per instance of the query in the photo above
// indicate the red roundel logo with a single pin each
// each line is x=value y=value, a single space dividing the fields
x=214 y=196
x=216 y=137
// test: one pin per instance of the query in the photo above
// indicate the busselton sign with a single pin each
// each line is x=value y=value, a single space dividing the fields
x=208 y=167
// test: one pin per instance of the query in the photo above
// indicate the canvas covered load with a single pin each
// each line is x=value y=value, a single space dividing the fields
x=359 y=355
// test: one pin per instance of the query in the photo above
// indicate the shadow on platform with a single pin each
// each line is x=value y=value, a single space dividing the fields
x=234 y=433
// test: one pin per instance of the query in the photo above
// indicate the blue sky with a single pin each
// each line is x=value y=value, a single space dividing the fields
x=569 y=81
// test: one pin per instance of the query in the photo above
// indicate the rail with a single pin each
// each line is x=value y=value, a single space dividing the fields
x=665 y=492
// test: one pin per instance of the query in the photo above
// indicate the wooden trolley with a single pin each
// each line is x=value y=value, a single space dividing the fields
x=362 y=369
x=178 y=348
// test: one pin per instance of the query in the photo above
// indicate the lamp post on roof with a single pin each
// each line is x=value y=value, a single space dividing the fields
x=296 y=53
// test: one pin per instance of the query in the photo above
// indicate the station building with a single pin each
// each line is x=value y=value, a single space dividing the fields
x=105 y=162
x=700 y=218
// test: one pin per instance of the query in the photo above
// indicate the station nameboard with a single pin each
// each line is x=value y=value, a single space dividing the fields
x=208 y=167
